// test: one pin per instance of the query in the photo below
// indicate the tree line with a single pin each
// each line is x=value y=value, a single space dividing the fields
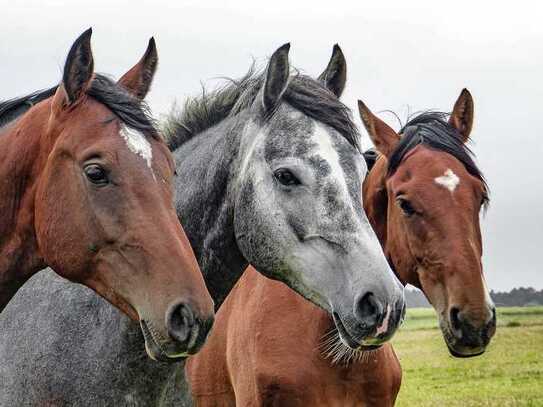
x=517 y=297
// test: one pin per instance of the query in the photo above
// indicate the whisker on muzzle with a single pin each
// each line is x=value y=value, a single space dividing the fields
x=331 y=347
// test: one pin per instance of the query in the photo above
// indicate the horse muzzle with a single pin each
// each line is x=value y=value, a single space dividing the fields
x=186 y=334
x=463 y=338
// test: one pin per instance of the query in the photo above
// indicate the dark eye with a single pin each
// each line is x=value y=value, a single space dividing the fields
x=406 y=207
x=286 y=177
x=96 y=174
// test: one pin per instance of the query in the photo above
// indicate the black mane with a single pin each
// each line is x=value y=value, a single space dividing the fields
x=433 y=130
x=303 y=93
x=130 y=110
x=13 y=108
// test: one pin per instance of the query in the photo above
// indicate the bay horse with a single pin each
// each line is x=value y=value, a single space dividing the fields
x=270 y=347
x=424 y=197
x=87 y=190
x=269 y=173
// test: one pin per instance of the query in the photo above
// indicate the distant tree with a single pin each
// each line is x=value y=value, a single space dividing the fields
x=415 y=298
x=517 y=297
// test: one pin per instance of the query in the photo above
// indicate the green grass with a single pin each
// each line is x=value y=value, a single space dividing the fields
x=510 y=373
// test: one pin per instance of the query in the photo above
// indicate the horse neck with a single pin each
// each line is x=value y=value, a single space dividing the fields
x=22 y=156
x=376 y=199
x=206 y=167
x=376 y=207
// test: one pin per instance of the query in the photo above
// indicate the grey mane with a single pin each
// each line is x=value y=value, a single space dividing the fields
x=303 y=93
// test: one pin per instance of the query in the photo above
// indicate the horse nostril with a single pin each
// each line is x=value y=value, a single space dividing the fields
x=455 y=318
x=368 y=310
x=180 y=321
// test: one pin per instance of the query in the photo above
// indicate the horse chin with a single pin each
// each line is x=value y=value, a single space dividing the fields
x=365 y=344
x=461 y=351
x=365 y=348
x=350 y=342
x=344 y=335
x=154 y=350
x=465 y=352
x=455 y=348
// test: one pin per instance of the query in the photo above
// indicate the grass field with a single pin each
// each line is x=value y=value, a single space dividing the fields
x=510 y=373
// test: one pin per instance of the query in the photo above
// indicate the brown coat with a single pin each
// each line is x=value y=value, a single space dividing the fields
x=248 y=355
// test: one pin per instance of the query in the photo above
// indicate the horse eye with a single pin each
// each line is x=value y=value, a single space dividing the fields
x=406 y=207
x=96 y=174
x=286 y=177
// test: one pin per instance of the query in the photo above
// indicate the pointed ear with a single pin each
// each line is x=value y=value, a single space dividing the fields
x=138 y=79
x=277 y=74
x=78 y=69
x=462 y=114
x=381 y=134
x=335 y=74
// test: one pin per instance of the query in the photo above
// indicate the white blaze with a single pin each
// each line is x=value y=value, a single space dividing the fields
x=328 y=152
x=138 y=144
x=449 y=180
x=488 y=300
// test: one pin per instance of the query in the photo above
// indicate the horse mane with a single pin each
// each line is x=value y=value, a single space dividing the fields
x=13 y=108
x=133 y=112
x=303 y=93
x=432 y=129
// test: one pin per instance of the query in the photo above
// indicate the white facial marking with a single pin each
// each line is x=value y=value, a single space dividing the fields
x=383 y=328
x=369 y=240
x=488 y=300
x=449 y=180
x=250 y=148
x=328 y=152
x=138 y=144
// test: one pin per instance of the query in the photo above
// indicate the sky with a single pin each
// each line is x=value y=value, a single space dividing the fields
x=401 y=56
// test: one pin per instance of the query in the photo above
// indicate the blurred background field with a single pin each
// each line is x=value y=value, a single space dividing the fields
x=510 y=373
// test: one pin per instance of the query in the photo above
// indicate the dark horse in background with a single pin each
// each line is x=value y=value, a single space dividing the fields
x=270 y=347
x=269 y=173
x=86 y=188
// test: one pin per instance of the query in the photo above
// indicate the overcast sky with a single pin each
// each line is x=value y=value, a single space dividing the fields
x=403 y=56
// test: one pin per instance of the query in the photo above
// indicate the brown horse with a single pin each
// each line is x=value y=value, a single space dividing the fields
x=423 y=198
x=269 y=346
x=86 y=188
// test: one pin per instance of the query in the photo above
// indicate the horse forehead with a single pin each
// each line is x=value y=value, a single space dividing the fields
x=345 y=162
x=448 y=180
x=289 y=136
x=426 y=164
x=427 y=159
x=324 y=146
x=294 y=134
x=297 y=135
x=138 y=144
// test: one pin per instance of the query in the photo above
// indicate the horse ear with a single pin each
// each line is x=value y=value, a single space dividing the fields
x=78 y=69
x=138 y=79
x=277 y=74
x=381 y=134
x=462 y=114
x=335 y=74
